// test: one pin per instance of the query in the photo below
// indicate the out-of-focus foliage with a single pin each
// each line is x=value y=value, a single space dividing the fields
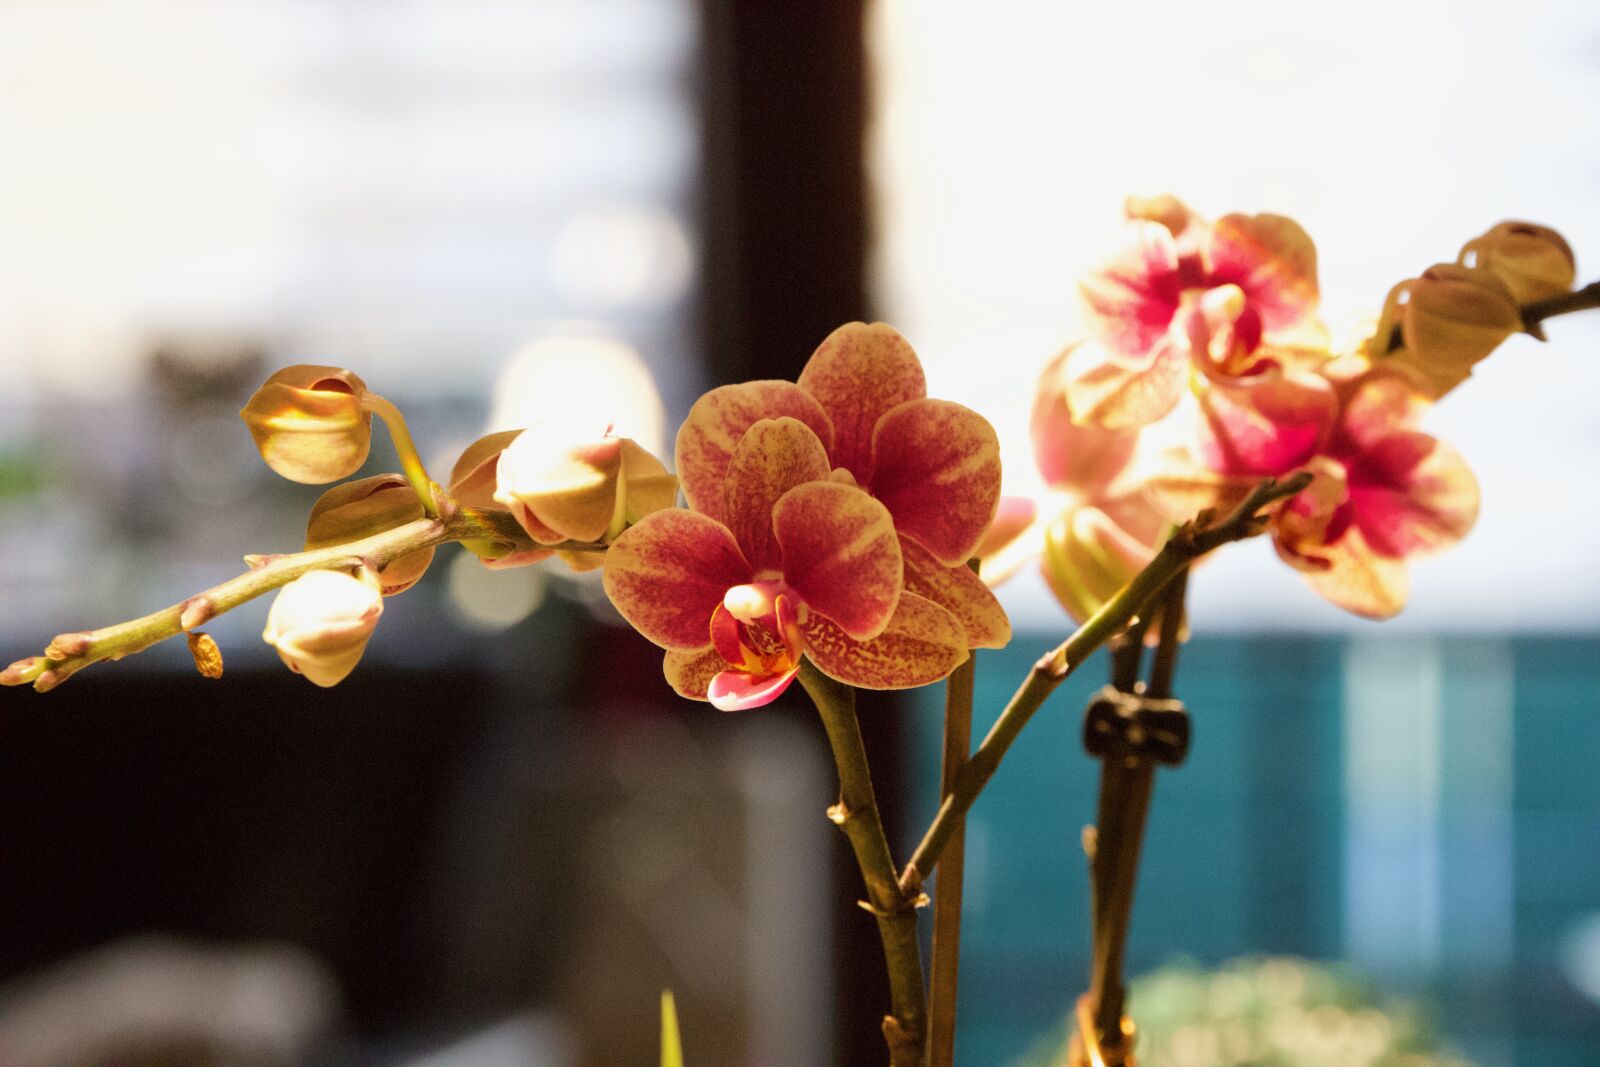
x=1269 y=1012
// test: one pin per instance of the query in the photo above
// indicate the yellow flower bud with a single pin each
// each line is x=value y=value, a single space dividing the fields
x=1452 y=317
x=309 y=423
x=1534 y=261
x=358 y=509
x=561 y=487
x=321 y=621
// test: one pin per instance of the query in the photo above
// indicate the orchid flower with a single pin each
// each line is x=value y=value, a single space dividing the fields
x=794 y=561
x=1230 y=299
x=933 y=464
x=1383 y=491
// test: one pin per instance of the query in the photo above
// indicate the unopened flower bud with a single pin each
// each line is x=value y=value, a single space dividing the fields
x=354 y=510
x=1452 y=317
x=1534 y=261
x=562 y=487
x=1088 y=558
x=321 y=621
x=309 y=423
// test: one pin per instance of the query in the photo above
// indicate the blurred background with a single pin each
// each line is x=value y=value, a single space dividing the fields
x=499 y=839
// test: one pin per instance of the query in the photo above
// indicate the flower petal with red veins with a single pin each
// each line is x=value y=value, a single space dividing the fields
x=690 y=673
x=841 y=555
x=667 y=574
x=959 y=591
x=773 y=457
x=858 y=374
x=1118 y=394
x=1275 y=262
x=922 y=643
x=1412 y=494
x=1069 y=454
x=1266 y=427
x=937 y=469
x=740 y=691
x=719 y=420
x=1128 y=303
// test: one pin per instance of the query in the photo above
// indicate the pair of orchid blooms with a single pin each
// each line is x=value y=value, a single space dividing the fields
x=835 y=518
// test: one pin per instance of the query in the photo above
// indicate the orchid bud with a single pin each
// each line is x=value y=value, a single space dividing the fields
x=561 y=487
x=1452 y=317
x=309 y=423
x=1088 y=558
x=1534 y=261
x=354 y=510
x=321 y=621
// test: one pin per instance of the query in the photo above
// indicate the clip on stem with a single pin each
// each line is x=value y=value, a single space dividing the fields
x=1130 y=726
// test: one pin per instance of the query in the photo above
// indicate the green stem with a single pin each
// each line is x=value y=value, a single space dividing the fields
x=857 y=815
x=71 y=652
x=1190 y=542
x=945 y=966
x=410 y=460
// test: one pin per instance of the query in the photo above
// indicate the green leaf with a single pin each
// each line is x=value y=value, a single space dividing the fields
x=671 y=1045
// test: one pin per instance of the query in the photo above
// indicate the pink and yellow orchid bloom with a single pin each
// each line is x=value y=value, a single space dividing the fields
x=1230 y=299
x=1383 y=492
x=794 y=562
x=934 y=464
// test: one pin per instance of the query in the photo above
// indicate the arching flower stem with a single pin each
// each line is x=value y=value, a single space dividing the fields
x=406 y=449
x=1193 y=540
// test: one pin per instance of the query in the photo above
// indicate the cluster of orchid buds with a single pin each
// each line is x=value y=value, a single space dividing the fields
x=845 y=529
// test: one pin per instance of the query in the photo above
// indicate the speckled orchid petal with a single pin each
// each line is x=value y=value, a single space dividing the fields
x=959 y=591
x=690 y=673
x=841 y=555
x=858 y=374
x=1273 y=260
x=922 y=644
x=353 y=510
x=773 y=457
x=1072 y=455
x=719 y=420
x=309 y=424
x=937 y=469
x=741 y=691
x=668 y=574
x=552 y=478
x=1129 y=301
x=1412 y=494
x=1116 y=393
x=1267 y=426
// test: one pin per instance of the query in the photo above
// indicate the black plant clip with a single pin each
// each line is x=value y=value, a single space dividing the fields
x=1132 y=728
